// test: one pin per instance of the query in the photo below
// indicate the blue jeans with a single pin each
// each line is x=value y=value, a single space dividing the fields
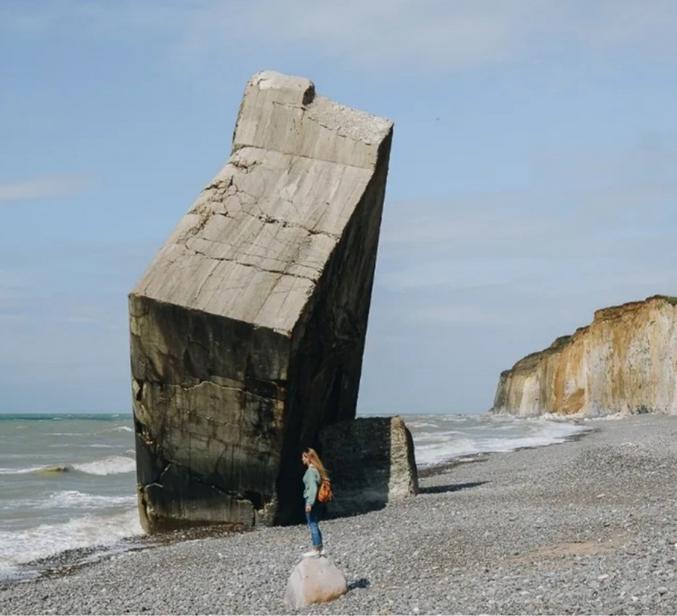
x=315 y=534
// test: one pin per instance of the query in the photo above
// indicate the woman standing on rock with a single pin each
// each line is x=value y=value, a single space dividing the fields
x=313 y=477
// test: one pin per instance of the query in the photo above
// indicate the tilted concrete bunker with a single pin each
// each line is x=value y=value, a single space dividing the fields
x=247 y=329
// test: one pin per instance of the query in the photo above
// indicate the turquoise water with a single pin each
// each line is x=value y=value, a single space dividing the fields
x=68 y=481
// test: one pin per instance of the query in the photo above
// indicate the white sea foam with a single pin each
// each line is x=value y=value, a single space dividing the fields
x=19 y=547
x=107 y=430
x=112 y=465
x=24 y=471
x=68 y=499
x=609 y=417
x=485 y=434
x=421 y=424
x=428 y=454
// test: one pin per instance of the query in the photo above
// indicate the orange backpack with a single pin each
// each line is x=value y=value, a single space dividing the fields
x=324 y=493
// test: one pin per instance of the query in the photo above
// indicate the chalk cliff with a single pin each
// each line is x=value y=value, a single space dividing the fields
x=625 y=361
x=247 y=329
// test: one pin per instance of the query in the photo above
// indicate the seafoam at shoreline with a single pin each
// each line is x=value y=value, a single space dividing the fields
x=443 y=439
x=68 y=483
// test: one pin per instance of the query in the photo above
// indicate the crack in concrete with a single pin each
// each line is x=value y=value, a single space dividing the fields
x=205 y=281
x=258 y=268
x=314 y=265
x=243 y=389
x=261 y=215
x=244 y=496
x=237 y=147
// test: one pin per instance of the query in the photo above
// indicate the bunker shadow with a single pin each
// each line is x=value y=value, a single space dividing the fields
x=452 y=487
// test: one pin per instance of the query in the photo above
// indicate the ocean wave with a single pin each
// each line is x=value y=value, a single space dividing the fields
x=107 y=430
x=609 y=417
x=421 y=424
x=56 y=468
x=111 y=465
x=81 y=500
x=23 y=546
x=487 y=434
x=429 y=454
x=118 y=429
x=69 y=499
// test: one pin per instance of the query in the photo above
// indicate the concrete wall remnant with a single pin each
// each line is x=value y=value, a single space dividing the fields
x=371 y=462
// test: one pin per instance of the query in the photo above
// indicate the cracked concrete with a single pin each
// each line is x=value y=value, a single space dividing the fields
x=248 y=327
x=373 y=464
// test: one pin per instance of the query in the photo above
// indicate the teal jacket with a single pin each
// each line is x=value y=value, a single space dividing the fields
x=311 y=481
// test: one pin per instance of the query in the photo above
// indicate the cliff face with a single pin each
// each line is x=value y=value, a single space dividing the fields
x=625 y=361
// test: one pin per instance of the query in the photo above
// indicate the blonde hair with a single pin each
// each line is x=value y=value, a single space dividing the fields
x=314 y=459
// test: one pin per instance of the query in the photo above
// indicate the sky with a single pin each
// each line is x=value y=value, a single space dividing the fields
x=533 y=173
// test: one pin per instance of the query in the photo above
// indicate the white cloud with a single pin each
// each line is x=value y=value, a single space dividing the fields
x=596 y=226
x=45 y=187
x=434 y=35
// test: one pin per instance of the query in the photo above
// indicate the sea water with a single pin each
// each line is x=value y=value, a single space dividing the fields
x=68 y=481
x=444 y=438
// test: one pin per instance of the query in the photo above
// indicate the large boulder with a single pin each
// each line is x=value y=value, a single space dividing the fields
x=371 y=461
x=247 y=329
x=314 y=580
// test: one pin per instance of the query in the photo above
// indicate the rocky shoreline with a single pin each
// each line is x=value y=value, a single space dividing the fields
x=586 y=526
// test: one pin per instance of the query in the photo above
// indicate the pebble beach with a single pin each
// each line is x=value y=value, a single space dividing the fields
x=586 y=526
